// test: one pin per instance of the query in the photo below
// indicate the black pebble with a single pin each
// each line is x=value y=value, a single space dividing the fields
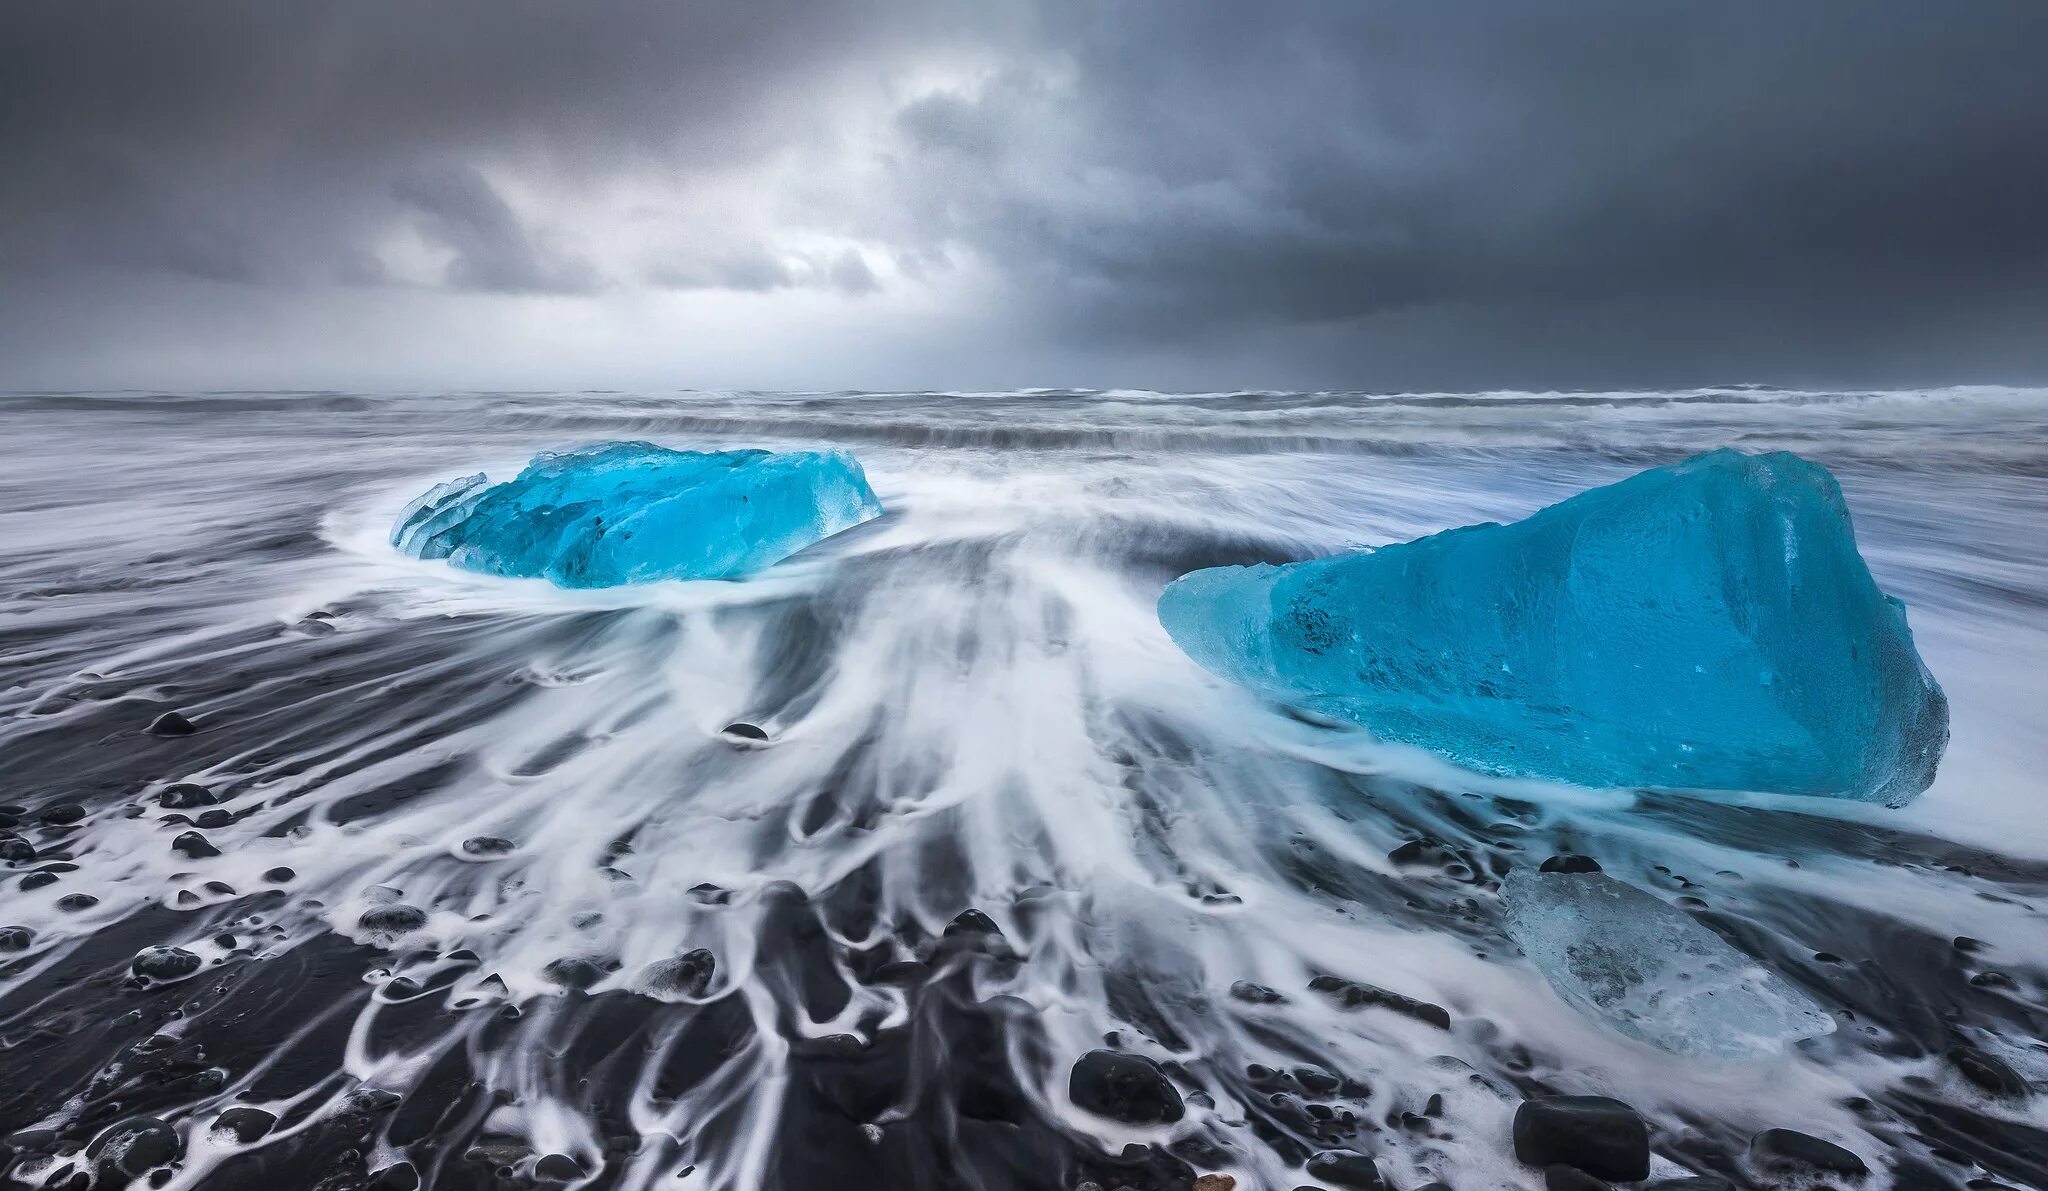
x=971 y=922
x=1126 y=1088
x=401 y=1177
x=1353 y=995
x=247 y=1124
x=1345 y=1168
x=711 y=895
x=688 y=974
x=1570 y=862
x=214 y=818
x=1993 y=980
x=15 y=850
x=487 y=845
x=1565 y=1178
x=557 y=1168
x=741 y=730
x=36 y=880
x=1598 y=1135
x=368 y=1100
x=185 y=796
x=395 y=918
x=164 y=963
x=1778 y=1149
x=1988 y=1072
x=74 y=902
x=134 y=1147
x=16 y=938
x=63 y=814
x=171 y=723
x=194 y=846
x=1966 y=944
x=278 y=875
x=1255 y=994
x=573 y=972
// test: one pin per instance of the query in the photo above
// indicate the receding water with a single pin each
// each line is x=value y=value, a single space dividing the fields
x=970 y=705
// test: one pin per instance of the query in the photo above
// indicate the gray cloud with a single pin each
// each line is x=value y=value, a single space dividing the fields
x=1373 y=194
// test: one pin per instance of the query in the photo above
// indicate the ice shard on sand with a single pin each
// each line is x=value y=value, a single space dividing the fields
x=1651 y=972
x=1708 y=625
x=632 y=512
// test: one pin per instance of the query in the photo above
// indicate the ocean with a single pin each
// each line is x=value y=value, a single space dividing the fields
x=999 y=821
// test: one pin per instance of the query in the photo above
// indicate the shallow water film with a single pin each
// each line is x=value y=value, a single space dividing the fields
x=924 y=859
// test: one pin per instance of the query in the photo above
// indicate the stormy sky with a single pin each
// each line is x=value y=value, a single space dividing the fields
x=916 y=193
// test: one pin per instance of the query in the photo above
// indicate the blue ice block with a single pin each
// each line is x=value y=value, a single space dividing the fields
x=632 y=512
x=1706 y=626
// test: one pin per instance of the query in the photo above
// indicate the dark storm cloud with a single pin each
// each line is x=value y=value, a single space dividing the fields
x=1585 y=191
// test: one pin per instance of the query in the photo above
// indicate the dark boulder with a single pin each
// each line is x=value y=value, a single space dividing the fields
x=133 y=1148
x=1791 y=1150
x=244 y=1124
x=1347 y=1169
x=1595 y=1134
x=171 y=723
x=1126 y=1088
x=164 y=964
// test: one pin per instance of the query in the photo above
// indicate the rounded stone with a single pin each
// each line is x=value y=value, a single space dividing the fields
x=1123 y=1087
x=164 y=964
x=171 y=723
x=135 y=1147
x=392 y=918
x=1595 y=1134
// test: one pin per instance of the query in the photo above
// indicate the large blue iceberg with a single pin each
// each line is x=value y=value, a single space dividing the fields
x=1705 y=626
x=632 y=512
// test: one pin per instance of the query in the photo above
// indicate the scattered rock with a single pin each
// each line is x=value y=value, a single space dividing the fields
x=373 y=1100
x=740 y=730
x=1123 y=1087
x=214 y=819
x=486 y=846
x=1989 y=1072
x=557 y=1168
x=1256 y=994
x=37 y=879
x=1566 y=1178
x=1569 y=862
x=685 y=975
x=1353 y=995
x=1595 y=1134
x=1347 y=1168
x=171 y=723
x=245 y=1124
x=194 y=846
x=16 y=938
x=392 y=918
x=1215 y=1182
x=185 y=796
x=134 y=1147
x=574 y=972
x=1789 y=1149
x=16 y=850
x=279 y=875
x=1694 y=1183
x=64 y=814
x=1966 y=944
x=164 y=964
x=72 y=903
x=398 y=1177
x=711 y=895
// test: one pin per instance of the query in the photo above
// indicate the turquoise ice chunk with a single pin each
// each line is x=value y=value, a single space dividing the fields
x=1706 y=626
x=632 y=512
x=1650 y=971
